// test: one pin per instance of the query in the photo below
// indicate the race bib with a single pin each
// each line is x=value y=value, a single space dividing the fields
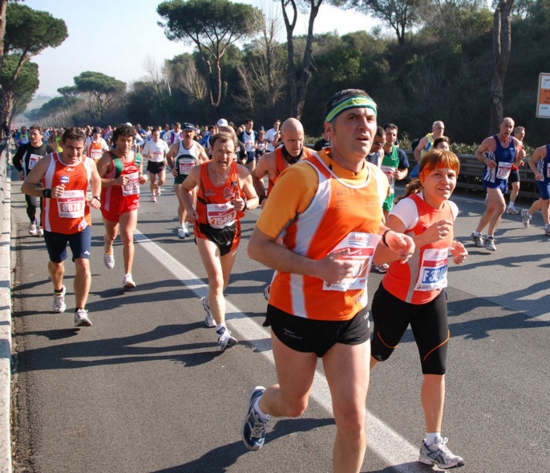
x=71 y=204
x=503 y=170
x=390 y=174
x=132 y=186
x=185 y=165
x=361 y=249
x=33 y=159
x=96 y=153
x=220 y=215
x=157 y=156
x=433 y=270
x=249 y=145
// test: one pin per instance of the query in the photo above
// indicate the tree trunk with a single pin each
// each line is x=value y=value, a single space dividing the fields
x=502 y=44
x=3 y=6
x=306 y=62
x=292 y=77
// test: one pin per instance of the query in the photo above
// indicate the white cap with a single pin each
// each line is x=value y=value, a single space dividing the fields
x=129 y=124
x=222 y=122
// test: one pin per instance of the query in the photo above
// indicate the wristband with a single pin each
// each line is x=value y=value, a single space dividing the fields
x=384 y=238
x=47 y=193
x=96 y=197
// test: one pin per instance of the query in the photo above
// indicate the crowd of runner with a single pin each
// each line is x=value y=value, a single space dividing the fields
x=311 y=231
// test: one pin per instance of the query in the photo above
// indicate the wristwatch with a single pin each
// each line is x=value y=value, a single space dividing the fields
x=96 y=197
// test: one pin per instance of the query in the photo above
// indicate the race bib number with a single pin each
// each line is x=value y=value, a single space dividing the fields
x=132 y=186
x=185 y=165
x=503 y=170
x=220 y=215
x=249 y=145
x=361 y=248
x=71 y=204
x=433 y=270
x=157 y=156
x=390 y=174
x=33 y=159
x=96 y=153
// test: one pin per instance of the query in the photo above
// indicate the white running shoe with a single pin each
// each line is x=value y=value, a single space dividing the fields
x=439 y=454
x=109 y=260
x=59 y=305
x=32 y=229
x=267 y=292
x=153 y=198
x=158 y=191
x=512 y=211
x=225 y=340
x=181 y=232
x=40 y=232
x=81 y=318
x=209 y=319
x=490 y=243
x=128 y=282
x=186 y=229
x=525 y=218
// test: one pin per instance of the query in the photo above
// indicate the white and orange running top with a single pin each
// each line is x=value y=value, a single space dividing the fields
x=318 y=207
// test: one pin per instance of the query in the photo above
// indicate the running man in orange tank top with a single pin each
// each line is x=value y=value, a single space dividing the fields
x=328 y=212
x=121 y=171
x=62 y=180
x=225 y=193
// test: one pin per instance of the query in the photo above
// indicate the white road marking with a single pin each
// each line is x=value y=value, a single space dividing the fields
x=382 y=440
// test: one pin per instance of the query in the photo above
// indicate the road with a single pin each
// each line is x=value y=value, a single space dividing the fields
x=147 y=390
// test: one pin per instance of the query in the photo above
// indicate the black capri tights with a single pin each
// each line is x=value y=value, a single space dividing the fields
x=428 y=322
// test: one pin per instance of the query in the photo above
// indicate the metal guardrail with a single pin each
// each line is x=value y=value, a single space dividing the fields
x=471 y=171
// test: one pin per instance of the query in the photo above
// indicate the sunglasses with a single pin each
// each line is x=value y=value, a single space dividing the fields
x=379 y=143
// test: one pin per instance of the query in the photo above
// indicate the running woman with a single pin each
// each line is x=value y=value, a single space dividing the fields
x=414 y=293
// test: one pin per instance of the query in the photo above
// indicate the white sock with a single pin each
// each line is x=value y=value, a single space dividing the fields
x=263 y=417
x=511 y=205
x=219 y=327
x=477 y=233
x=432 y=437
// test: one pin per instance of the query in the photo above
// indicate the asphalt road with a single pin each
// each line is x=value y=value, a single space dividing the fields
x=147 y=390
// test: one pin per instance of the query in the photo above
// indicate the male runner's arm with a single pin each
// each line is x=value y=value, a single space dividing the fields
x=418 y=150
x=539 y=154
x=191 y=181
x=486 y=146
x=95 y=186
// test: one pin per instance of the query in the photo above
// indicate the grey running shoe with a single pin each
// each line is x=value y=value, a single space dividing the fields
x=59 y=305
x=439 y=454
x=490 y=243
x=109 y=260
x=209 y=319
x=512 y=211
x=225 y=340
x=267 y=291
x=478 y=240
x=525 y=218
x=81 y=318
x=253 y=430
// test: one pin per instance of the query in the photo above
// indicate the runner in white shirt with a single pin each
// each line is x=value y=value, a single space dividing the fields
x=155 y=150
x=273 y=136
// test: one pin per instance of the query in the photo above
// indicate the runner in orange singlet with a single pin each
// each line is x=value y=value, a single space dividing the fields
x=121 y=170
x=62 y=180
x=225 y=192
x=328 y=211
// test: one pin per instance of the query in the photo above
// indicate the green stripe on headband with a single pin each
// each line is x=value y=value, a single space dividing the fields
x=359 y=101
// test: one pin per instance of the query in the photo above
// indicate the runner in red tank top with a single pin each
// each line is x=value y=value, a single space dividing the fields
x=122 y=173
x=225 y=192
x=63 y=179
x=414 y=293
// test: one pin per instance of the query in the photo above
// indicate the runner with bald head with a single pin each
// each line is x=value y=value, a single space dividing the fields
x=275 y=162
x=498 y=152
x=427 y=142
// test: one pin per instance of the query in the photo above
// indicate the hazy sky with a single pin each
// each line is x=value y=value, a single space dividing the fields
x=117 y=36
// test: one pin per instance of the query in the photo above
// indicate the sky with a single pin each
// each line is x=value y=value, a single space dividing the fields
x=117 y=37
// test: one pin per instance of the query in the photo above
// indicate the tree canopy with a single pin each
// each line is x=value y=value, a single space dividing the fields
x=212 y=25
x=100 y=89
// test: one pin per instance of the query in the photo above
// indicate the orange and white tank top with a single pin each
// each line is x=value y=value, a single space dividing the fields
x=69 y=213
x=334 y=220
x=95 y=150
x=281 y=164
x=214 y=203
x=422 y=278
